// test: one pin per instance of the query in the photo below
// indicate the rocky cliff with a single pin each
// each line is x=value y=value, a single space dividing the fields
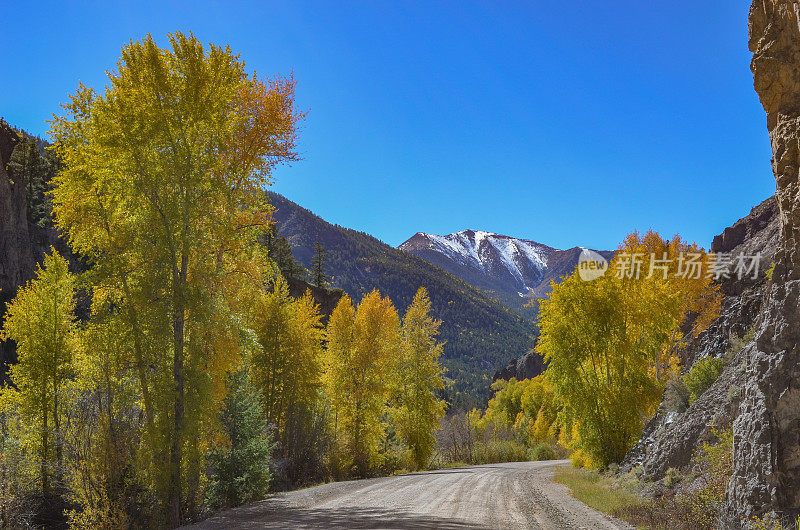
x=16 y=253
x=766 y=460
x=16 y=257
x=760 y=387
x=526 y=367
x=24 y=235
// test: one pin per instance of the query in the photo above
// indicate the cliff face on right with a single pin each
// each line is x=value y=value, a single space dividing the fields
x=759 y=388
x=766 y=459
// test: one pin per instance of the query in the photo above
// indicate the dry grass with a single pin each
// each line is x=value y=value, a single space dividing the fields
x=597 y=491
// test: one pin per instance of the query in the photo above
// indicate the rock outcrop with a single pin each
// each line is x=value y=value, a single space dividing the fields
x=766 y=460
x=325 y=298
x=526 y=367
x=16 y=253
x=23 y=241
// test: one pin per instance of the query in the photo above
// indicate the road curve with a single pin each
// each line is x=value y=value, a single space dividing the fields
x=510 y=495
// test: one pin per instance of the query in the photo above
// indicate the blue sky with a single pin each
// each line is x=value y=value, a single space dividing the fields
x=570 y=123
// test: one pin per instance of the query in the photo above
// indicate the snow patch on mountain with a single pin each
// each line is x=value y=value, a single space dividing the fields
x=489 y=253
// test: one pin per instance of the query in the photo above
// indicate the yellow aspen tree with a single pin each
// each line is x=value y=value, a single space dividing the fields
x=666 y=268
x=40 y=320
x=363 y=347
x=419 y=410
x=287 y=368
x=340 y=336
x=611 y=343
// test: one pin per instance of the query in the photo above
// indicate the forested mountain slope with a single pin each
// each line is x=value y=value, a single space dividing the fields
x=482 y=335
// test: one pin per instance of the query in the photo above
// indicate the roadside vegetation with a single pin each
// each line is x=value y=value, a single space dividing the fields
x=464 y=439
x=611 y=345
x=177 y=375
x=601 y=492
x=688 y=500
x=681 y=501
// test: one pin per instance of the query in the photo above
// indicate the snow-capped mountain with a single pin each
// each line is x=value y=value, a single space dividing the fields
x=514 y=269
x=484 y=258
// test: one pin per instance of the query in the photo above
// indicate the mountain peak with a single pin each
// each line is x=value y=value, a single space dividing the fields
x=519 y=264
x=509 y=267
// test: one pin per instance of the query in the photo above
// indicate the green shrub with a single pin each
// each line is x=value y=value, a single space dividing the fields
x=676 y=394
x=495 y=451
x=702 y=376
x=737 y=343
x=673 y=477
x=698 y=505
x=542 y=452
x=714 y=461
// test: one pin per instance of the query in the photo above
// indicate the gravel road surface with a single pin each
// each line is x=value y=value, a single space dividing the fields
x=509 y=495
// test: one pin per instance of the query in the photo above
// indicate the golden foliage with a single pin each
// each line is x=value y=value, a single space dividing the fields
x=418 y=410
x=361 y=358
x=612 y=343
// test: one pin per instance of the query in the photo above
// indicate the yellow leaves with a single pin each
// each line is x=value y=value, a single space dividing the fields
x=528 y=408
x=287 y=366
x=267 y=132
x=418 y=410
x=40 y=320
x=375 y=369
x=697 y=295
x=161 y=189
x=362 y=354
x=611 y=343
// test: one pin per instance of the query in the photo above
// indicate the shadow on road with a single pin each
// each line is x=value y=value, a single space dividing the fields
x=287 y=517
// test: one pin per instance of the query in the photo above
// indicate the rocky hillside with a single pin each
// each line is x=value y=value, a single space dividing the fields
x=481 y=334
x=759 y=389
x=526 y=367
x=672 y=436
x=515 y=271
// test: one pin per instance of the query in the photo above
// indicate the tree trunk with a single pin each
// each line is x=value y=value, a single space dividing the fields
x=178 y=326
x=45 y=478
x=57 y=434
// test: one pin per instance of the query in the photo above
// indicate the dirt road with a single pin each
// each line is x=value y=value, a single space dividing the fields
x=512 y=495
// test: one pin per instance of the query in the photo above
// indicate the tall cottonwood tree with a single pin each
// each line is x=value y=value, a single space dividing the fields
x=418 y=409
x=162 y=190
x=40 y=320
